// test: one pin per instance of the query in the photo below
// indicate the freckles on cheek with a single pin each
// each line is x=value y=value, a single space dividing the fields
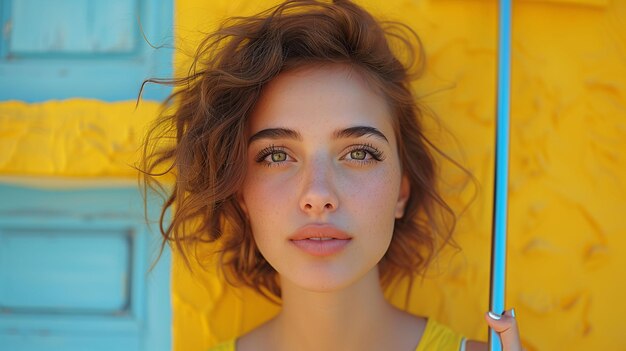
x=376 y=193
x=264 y=198
x=385 y=183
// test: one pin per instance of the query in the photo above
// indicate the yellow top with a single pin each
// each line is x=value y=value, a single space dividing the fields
x=436 y=337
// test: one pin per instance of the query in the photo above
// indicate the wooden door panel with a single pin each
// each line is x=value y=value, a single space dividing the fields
x=73 y=27
x=84 y=48
x=74 y=271
x=58 y=270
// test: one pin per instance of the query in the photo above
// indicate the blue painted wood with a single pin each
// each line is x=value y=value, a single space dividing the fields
x=39 y=265
x=74 y=271
x=83 y=48
x=73 y=26
x=51 y=342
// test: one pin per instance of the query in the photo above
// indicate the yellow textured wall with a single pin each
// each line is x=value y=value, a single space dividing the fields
x=567 y=243
x=567 y=247
x=72 y=138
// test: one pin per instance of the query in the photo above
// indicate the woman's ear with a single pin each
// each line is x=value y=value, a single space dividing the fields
x=403 y=197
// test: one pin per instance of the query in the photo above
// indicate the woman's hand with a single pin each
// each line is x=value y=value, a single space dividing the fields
x=506 y=326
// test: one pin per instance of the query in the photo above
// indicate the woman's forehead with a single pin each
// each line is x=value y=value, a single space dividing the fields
x=309 y=98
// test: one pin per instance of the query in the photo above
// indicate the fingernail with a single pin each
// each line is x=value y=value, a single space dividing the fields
x=513 y=312
x=494 y=316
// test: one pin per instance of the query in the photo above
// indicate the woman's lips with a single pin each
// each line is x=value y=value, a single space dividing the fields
x=320 y=240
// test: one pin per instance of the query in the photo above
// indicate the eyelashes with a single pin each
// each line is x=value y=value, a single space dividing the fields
x=360 y=154
x=271 y=150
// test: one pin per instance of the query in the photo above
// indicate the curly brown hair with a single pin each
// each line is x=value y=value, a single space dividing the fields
x=211 y=106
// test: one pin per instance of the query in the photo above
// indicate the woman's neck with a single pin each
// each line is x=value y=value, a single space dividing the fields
x=357 y=317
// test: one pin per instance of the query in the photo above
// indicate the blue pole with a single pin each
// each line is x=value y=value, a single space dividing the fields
x=498 y=241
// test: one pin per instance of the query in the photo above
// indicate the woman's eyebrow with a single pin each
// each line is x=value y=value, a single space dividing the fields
x=359 y=131
x=275 y=133
x=285 y=133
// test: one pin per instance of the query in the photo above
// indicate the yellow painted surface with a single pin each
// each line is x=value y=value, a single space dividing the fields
x=567 y=240
x=74 y=137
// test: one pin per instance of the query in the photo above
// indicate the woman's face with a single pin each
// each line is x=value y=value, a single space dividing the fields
x=324 y=183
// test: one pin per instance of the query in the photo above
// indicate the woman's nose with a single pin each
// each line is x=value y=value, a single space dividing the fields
x=318 y=191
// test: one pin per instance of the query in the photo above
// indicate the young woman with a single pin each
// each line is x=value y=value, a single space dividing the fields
x=299 y=153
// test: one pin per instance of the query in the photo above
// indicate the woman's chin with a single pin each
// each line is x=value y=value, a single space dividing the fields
x=325 y=281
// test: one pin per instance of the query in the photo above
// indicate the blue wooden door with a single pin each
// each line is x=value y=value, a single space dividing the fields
x=83 y=48
x=75 y=259
x=74 y=271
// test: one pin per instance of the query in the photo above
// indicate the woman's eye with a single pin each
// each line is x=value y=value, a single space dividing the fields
x=364 y=154
x=272 y=156
x=278 y=156
x=358 y=155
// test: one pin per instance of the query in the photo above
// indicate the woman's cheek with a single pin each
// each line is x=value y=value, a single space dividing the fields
x=266 y=196
x=383 y=182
